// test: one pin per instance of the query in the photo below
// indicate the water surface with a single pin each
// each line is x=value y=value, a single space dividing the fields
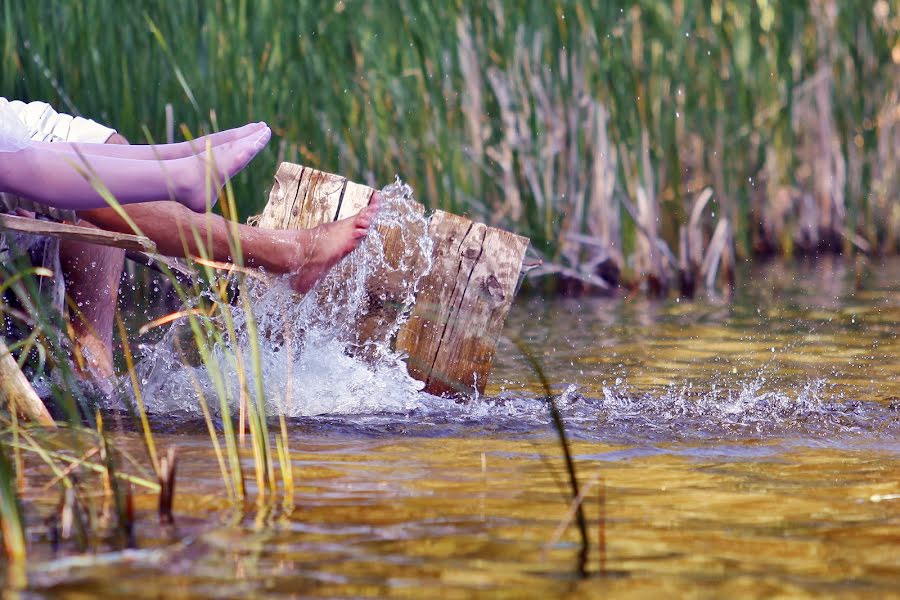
x=727 y=449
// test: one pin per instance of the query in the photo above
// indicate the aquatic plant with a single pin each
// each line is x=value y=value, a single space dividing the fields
x=560 y=429
x=590 y=127
x=12 y=524
x=98 y=456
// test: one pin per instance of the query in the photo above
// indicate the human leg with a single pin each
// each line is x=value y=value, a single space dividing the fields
x=59 y=179
x=156 y=151
x=92 y=274
x=306 y=254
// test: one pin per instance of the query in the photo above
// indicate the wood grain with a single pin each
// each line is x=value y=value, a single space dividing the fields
x=18 y=393
x=452 y=332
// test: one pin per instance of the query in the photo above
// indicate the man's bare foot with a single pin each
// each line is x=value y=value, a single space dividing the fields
x=97 y=355
x=321 y=248
x=227 y=160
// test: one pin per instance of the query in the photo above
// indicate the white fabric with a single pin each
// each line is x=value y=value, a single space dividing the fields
x=38 y=121
x=14 y=134
x=21 y=123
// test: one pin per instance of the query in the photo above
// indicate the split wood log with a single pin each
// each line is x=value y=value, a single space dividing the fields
x=76 y=232
x=452 y=333
x=303 y=198
x=460 y=308
x=18 y=393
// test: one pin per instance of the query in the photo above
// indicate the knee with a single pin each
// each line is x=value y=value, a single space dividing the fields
x=117 y=138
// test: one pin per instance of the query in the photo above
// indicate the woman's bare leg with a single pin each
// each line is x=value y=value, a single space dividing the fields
x=155 y=151
x=70 y=181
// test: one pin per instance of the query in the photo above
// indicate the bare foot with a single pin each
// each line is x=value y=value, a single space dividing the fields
x=97 y=355
x=158 y=151
x=319 y=249
x=227 y=160
x=96 y=366
x=219 y=138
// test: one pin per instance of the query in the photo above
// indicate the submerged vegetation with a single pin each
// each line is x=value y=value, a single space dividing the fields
x=622 y=138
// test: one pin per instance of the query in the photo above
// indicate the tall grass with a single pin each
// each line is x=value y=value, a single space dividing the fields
x=589 y=126
x=214 y=338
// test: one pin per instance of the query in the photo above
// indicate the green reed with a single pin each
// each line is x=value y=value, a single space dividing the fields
x=588 y=126
x=214 y=338
x=547 y=118
x=11 y=521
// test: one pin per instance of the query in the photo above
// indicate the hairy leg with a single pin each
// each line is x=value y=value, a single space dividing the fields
x=306 y=254
x=155 y=151
x=92 y=275
x=64 y=180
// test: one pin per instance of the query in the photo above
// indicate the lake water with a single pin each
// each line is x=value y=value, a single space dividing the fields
x=725 y=449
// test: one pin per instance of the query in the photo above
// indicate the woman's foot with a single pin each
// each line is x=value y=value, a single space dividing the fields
x=321 y=248
x=205 y=175
x=219 y=138
x=157 y=152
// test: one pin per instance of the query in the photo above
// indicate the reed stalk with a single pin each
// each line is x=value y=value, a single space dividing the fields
x=12 y=524
x=526 y=115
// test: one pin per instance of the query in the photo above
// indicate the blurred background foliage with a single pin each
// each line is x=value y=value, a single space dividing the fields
x=593 y=127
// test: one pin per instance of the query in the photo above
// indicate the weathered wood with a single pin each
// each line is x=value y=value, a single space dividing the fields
x=303 y=198
x=452 y=333
x=76 y=232
x=18 y=393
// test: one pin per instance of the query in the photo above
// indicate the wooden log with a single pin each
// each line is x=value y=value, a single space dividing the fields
x=18 y=393
x=303 y=198
x=78 y=233
x=461 y=306
x=452 y=333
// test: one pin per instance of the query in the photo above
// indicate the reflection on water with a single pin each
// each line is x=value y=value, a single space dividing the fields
x=810 y=348
x=742 y=449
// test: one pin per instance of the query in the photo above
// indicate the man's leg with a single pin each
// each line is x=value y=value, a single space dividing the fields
x=307 y=254
x=92 y=275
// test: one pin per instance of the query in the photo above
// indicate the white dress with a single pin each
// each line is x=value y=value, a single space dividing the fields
x=14 y=134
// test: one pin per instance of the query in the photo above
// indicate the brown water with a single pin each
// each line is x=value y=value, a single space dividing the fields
x=743 y=449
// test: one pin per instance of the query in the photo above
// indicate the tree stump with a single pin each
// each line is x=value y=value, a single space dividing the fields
x=461 y=306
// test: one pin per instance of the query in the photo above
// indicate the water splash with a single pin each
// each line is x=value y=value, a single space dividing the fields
x=315 y=358
x=619 y=414
x=317 y=362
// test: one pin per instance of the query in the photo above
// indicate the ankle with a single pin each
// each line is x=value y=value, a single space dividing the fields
x=275 y=251
x=298 y=250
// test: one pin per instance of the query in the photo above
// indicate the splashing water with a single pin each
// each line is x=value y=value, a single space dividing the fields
x=316 y=361
x=314 y=357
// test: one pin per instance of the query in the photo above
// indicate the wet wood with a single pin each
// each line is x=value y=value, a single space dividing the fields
x=18 y=393
x=302 y=198
x=451 y=335
x=78 y=233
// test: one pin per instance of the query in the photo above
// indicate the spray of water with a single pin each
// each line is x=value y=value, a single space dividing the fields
x=315 y=356
x=317 y=360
